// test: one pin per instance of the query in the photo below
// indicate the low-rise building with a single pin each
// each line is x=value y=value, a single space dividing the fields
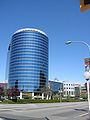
x=77 y=91
x=56 y=88
x=3 y=85
x=83 y=91
x=55 y=85
x=69 y=89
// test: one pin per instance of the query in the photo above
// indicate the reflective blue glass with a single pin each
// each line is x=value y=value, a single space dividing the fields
x=28 y=60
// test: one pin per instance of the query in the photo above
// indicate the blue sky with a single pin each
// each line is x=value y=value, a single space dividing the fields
x=61 y=20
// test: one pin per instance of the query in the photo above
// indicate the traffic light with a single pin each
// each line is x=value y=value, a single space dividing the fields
x=84 y=5
x=86 y=2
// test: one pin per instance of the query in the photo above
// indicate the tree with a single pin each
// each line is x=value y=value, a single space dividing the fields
x=1 y=91
x=47 y=91
x=13 y=93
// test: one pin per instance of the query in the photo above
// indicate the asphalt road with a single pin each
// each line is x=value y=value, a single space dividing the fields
x=52 y=111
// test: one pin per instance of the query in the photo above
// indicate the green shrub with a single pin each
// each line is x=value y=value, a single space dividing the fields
x=27 y=101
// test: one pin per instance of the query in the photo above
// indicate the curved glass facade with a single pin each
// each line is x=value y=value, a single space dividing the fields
x=28 y=66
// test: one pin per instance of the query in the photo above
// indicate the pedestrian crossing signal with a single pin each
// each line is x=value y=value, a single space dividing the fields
x=84 y=5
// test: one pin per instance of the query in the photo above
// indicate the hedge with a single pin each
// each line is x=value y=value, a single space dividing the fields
x=26 y=101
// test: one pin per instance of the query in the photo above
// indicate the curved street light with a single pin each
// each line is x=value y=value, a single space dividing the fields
x=69 y=42
x=87 y=73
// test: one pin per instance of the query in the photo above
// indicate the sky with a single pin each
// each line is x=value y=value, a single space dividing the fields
x=61 y=20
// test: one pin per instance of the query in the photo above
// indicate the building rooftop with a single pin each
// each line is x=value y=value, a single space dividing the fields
x=30 y=29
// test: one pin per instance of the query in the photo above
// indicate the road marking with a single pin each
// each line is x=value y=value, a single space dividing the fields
x=82 y=115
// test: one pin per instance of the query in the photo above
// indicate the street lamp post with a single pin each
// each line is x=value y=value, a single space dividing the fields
x=87 y=73
x=87 y=77
x=60 y=93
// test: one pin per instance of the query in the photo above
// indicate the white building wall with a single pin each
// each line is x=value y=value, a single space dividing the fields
x=69 y=89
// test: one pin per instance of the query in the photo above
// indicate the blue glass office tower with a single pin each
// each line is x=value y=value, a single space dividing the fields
x=28 y=60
